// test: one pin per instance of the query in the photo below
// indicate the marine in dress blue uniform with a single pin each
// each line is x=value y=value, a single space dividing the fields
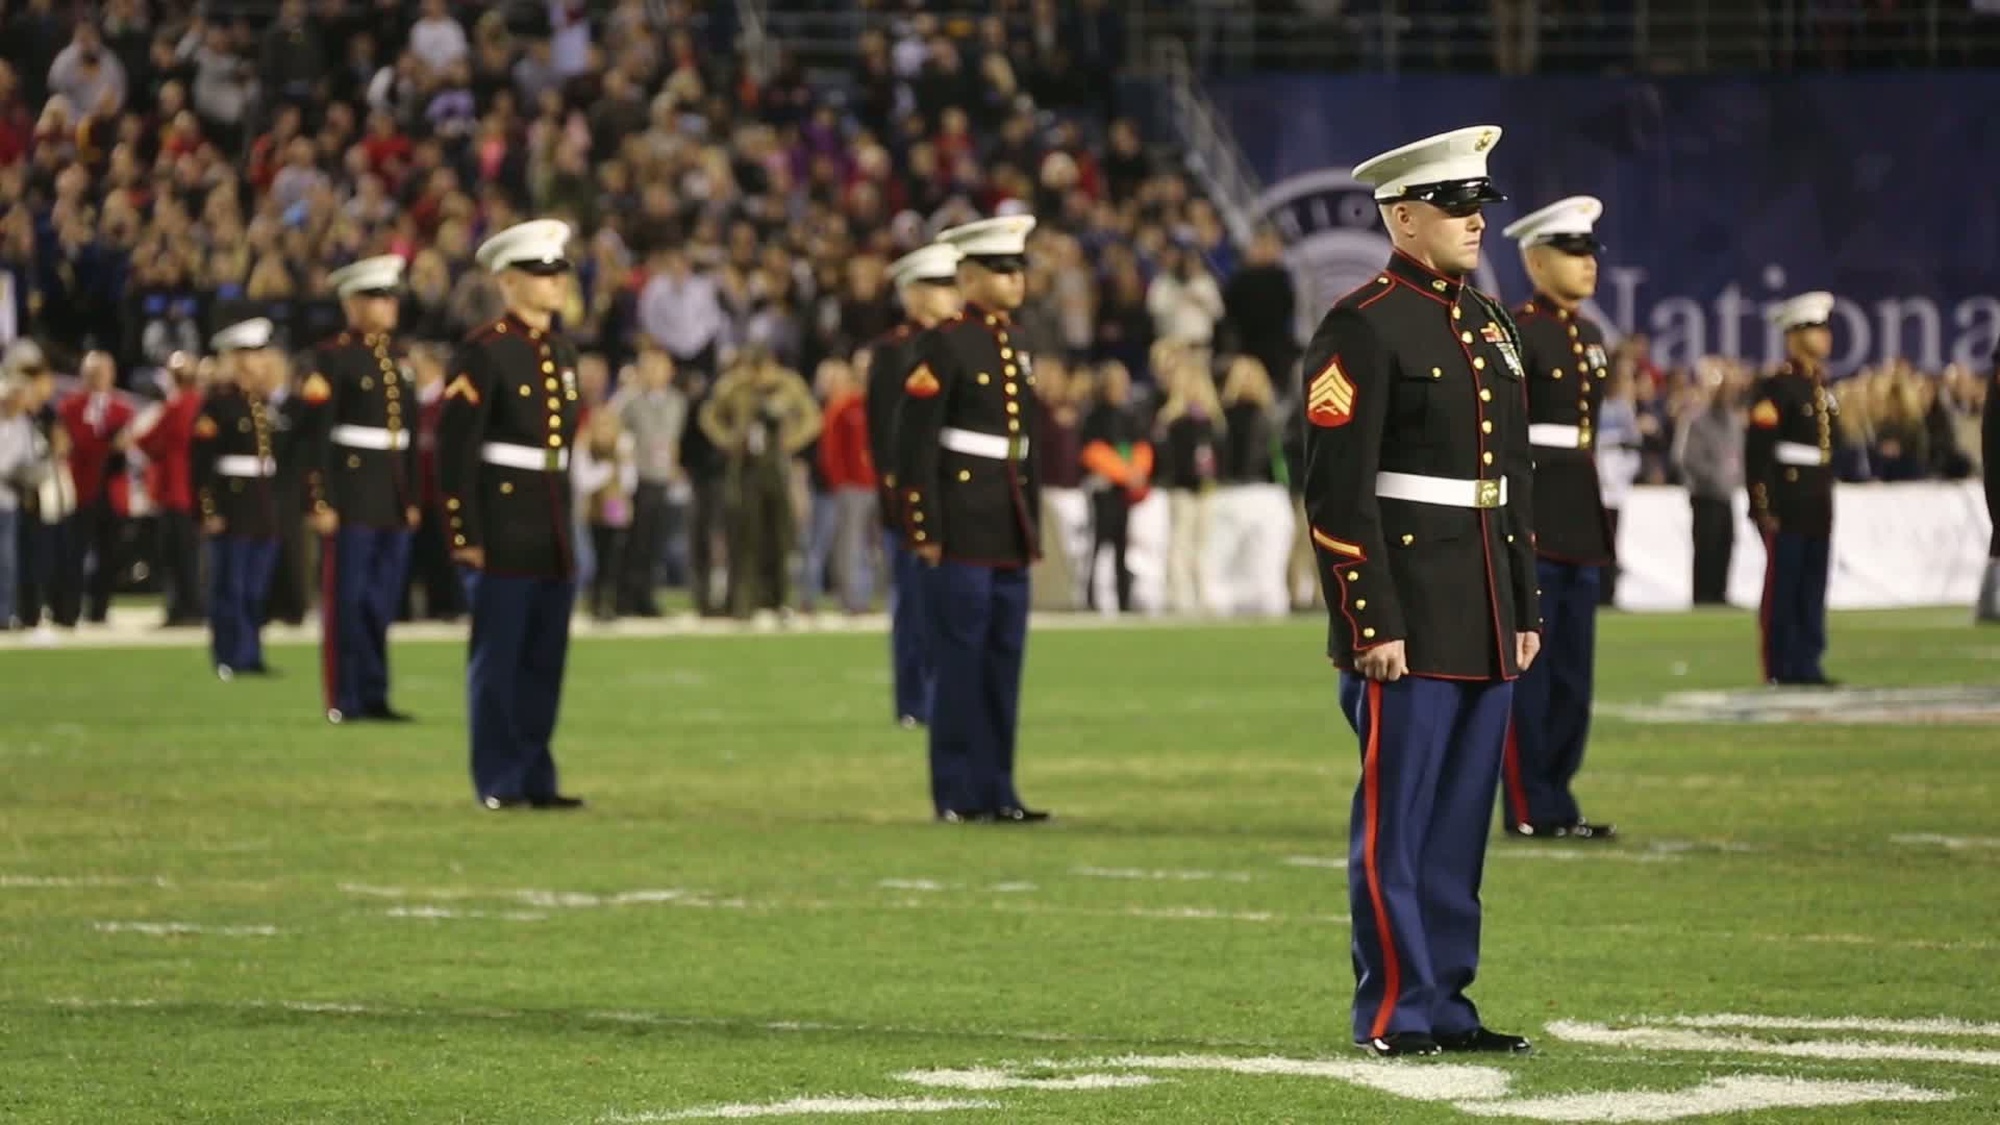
x=234 y=459
x=505 y=430
x=1417 y=489
x=927 y=284
x=971 y=507
x=362 y=488
x=1563 y=352
x=1788 y=465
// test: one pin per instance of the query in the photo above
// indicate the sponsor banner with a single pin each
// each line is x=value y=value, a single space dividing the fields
x=1894 y=545
x=1722 y=196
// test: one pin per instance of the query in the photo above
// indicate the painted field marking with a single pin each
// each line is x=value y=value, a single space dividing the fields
x=443 y=913
x=1002 y=1078
x=911 y=885
x=1667 y=1039
x=1161 y=876
x=1937 y=1026
x=1011 y=888
x=802 y=1107
x=57 y=882
x=177 y=929
x=1741 y=1093
x=1439 y=1082
x=1952 y=843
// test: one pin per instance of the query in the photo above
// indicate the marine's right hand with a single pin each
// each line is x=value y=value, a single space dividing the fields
x=931 y=554
x=474 y=557
x=214 y=525
x=326 y=521
x=1385 y=662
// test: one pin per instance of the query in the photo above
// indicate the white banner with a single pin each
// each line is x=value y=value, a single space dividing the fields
x=1894 y=545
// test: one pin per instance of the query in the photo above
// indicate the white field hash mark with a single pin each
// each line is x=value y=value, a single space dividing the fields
x=801 y=1107
x=1161 y=876
x=1937 y=1026
x=51 y=882
x=1742 y=1093
x=177 y=929
x=1950 y=843
x=1668 y=1039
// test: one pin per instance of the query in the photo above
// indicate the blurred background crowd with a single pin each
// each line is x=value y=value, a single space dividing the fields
x=168 y=167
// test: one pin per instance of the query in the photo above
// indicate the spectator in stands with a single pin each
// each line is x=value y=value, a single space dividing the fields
x=1620 y=440
x=165 y=434
x=1708 y=455
x=1057 y=582
x=1184 y=299
x=604 y=477
x=760 y=416
x=655 y=414
x=1902 y=444
x=849 y=474
x=47 y=513
x=97 y=422
x=1119 y=463
x=681 y=310
x=1187 y=431
x=22 y=470
x=1250 y=538
x=1260 y=307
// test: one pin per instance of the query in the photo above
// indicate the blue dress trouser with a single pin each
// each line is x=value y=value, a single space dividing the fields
x=1552 y=701
x=514 y=680
x=362 y=570
x=977 y=621
x=1793 y=616
x=239 y=576
x=1430 y=765
x=909 y=662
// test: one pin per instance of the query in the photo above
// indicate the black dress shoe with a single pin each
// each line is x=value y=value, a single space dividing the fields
x=555 y=801
x=953 y=816
x=909 y=722
x=1400 y=1045
x=1531 y=831
x=1585 y=830
x=1014 y=814
x=498 y=804
x=386 y=714
x=1483 y=1041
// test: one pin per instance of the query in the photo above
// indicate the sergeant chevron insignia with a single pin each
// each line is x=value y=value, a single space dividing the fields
x=1764 y=415
x=921 y=383
x=462 y=387
x=315 y=390
x=1330 y=399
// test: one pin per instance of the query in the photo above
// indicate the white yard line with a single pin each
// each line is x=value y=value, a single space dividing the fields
x=1143 y=875
x=1741 y=1093
x=1940 y=1025
x=1845 y=1050
x=56 y=882
x=1000 y=1078
x=1951 y=843
x=1427 y=1082
x=177 y=929
x=803 y=1107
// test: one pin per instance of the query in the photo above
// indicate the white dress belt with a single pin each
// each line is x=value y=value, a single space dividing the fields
x=1451 y=492
x=996 y=446
x=370 y=437
x=1555 y=436
x=510 y=456
x=1799 y=453
x=246 y=465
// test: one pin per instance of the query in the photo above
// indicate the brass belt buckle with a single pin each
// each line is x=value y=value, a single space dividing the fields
x=1017 y=449
x=1489 y=494
x=554 y=462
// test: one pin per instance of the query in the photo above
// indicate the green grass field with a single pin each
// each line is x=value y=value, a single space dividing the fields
x=215 y=907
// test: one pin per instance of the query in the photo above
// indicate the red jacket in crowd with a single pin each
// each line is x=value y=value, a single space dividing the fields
x=166 y=445
x=843 y=444
x=93 y=422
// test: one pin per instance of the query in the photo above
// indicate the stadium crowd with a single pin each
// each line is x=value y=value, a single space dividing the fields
x=164 y=172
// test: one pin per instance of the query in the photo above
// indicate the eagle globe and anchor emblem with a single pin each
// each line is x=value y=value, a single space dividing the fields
x=1334 y=244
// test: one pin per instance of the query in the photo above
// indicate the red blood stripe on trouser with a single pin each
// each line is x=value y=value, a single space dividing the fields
x=1371 y=788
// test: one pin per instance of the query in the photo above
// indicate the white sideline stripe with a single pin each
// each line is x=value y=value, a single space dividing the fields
x=1160 y=876
x=1011 y=888
x=801 y=1107
x=911 y=885
x=1954 y=843
x=31 y=882
x=136 y=628
x=1847 y=1050
x=1941 y=1025
x=1442 y=1082
x=1741 y=1093
x=1338 y=862
x=999 y=1078
x=445 y=912
x=175 y=929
